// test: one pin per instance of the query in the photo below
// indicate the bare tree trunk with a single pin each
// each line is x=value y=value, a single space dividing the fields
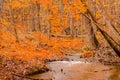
x=48 y=26
x=1 y=5
x=48 y=29
x=90 y=34
x=38 y=16
x=12 y=23
x=32 y=16
x=113 y=44
x=77 y=28
x=29 y=22
x=71 y=25
x=108 y=22
x=61 y=7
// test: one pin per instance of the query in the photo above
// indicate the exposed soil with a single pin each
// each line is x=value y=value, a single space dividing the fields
x=8 y=66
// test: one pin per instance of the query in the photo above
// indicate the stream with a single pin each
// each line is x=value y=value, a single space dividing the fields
x=77 y=69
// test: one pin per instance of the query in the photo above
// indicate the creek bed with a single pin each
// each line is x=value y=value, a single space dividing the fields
x=79 y=70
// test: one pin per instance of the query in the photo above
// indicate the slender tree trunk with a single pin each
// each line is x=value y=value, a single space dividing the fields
x=48 y=26
x=32 y=16
x=72 y=31
x=108 y=22
x=61 y=8
x=38 y=16
x=90 y=34
x=71 y=25
x=48 y=29
x=93 y=42
x=1 y=5
x=77 y=28
x=12 y=23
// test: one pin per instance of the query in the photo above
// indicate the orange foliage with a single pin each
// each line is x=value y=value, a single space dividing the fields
x=56 y=21
x=32 y=45
x=88 y=52
x=26 y=50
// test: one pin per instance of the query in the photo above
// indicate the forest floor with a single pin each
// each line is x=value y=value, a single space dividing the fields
x=29 y=56
x=12 y=65
x=9 y=66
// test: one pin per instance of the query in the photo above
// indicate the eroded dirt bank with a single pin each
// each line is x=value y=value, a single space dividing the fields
x=8 y=66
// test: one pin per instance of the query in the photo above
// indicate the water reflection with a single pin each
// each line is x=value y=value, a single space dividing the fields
x=115 y=74
x=76 y=70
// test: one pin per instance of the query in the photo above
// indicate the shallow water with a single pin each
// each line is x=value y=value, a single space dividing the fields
x=76 y=70
x=79 y=70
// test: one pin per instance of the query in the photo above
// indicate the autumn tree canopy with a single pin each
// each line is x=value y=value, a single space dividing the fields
x=89 y=20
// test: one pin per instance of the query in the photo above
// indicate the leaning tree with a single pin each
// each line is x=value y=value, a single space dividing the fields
x=113 y=41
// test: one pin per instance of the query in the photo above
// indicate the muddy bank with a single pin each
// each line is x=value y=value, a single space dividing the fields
x=8 y=66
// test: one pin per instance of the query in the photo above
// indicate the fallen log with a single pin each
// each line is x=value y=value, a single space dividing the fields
x=23 y=76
